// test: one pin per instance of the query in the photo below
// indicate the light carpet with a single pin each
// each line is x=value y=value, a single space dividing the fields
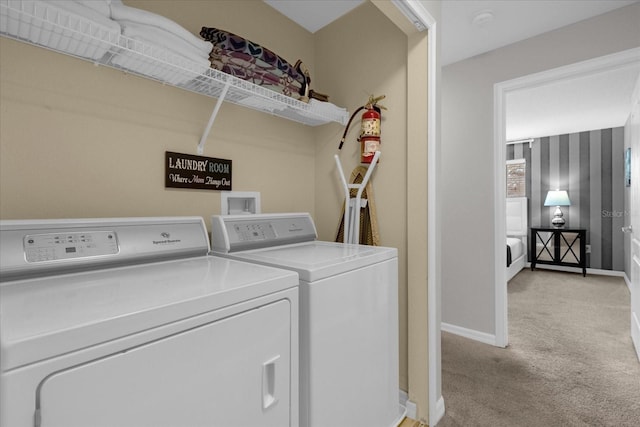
x=570 y=360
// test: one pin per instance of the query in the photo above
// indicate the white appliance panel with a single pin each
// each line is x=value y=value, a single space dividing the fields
x=44 y=317
x=357 y=366
x=129 y=322
x=231 y=233
x=318 y=260
x=348 y=316
x=39 y=247
x=160 y=384
x=18 y=387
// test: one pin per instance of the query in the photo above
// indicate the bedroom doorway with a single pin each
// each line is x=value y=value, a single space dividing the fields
x=502 y=92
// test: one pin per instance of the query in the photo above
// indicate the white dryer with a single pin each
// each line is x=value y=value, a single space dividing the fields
x=348 y=315
x=129 y=322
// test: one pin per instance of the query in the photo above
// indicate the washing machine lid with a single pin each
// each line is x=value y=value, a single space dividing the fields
x=318 y=260
x=49 y=316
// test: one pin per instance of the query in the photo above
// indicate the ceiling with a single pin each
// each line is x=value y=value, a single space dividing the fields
x=469 y=27
x=588 y=102
x=313 y=14
x=472 y=27
x=596 y=101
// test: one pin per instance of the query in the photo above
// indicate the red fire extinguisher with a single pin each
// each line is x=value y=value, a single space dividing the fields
x=369 y=128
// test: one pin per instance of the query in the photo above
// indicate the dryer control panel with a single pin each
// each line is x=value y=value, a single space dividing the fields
x=52 y=246
x=230 y=233
x=31 y=248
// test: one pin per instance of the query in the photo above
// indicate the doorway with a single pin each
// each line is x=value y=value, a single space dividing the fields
x=502 y=91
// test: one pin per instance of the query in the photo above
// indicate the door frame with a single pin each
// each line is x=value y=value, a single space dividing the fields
x=632 y=142
x=414 y=18
x=418 y=14
x=500 y=91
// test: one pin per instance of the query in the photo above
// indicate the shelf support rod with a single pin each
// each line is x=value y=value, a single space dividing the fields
x=214 y=113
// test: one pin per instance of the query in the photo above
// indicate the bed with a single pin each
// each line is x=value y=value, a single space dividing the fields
x=517 y=228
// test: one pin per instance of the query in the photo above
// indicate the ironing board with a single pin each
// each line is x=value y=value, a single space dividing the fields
x=359 y=192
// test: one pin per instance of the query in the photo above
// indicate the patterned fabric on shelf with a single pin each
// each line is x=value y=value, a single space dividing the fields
x=249 y=61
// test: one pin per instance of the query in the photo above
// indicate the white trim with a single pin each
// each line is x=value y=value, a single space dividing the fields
x=439 y=410
x=472 y=334
x=594 y=271
x=599 y=272
x=627 y=281
x=411 y=410
x=436 y=401
x=521 y=141
x=500 y=217
x=635 y=333
x=415 y=12
x=611 y=62
x=403 y=399
x=601 y=64
x=419 y=16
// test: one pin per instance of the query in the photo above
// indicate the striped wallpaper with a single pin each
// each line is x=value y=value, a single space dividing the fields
x=590 y=166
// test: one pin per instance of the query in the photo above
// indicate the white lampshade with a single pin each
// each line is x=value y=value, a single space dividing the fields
x=557 y=198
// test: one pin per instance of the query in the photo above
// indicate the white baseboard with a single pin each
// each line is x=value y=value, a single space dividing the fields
x=411 y=408
x=613 y=273
x=438 y=413
x=635 y=332
x=595 y=271
x=469 y=333
x=627 y=281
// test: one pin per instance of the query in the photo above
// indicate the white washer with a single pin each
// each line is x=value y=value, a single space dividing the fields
x=129 y=322
x=348 y=315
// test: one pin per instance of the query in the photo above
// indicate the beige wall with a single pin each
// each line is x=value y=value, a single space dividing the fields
x=417 y=239
x=83 y=141
x=359 y=62
x=391 y=60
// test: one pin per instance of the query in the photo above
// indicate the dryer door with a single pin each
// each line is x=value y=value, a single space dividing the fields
x=232 y=372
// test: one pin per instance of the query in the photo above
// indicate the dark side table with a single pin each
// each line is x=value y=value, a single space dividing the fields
x=559 y=246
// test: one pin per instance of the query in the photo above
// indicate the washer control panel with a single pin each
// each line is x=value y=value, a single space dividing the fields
x=247 y=232
x=57 y=246
x=230 y=233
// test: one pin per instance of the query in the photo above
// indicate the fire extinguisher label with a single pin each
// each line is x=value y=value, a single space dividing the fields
x=370 y=127
x=369 y=147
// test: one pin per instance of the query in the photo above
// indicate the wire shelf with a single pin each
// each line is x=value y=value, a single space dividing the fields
x=47 y=25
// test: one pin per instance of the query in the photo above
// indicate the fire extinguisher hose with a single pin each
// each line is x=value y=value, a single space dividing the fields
x=371 y=104
x=346 y=129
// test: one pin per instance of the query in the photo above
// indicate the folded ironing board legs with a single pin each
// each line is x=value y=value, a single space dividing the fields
x=350 y=224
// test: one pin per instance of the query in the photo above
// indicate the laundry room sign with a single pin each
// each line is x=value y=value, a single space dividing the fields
x=202 y=173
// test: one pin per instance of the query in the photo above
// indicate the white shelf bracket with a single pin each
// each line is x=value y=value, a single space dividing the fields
x=214 y=113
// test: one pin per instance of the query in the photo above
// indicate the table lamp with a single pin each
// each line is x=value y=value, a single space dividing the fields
x=557 y=198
